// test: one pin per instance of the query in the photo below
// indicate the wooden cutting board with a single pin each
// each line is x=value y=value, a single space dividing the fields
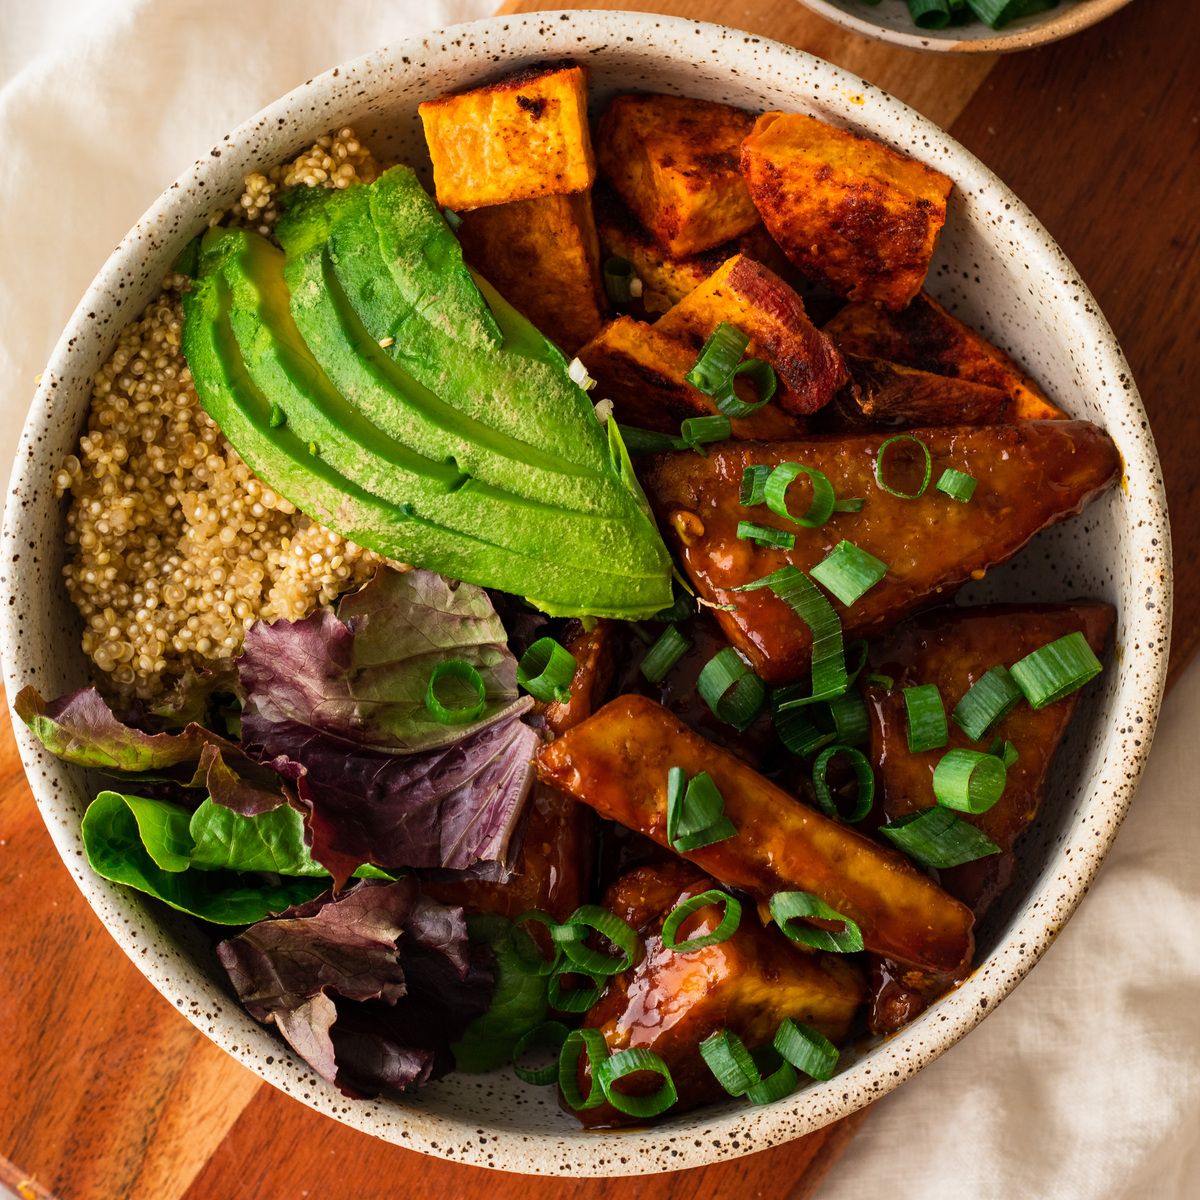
x=106 y=1092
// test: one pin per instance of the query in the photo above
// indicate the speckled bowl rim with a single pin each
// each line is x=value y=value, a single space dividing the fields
x=1051 y=26
x=704 y=1136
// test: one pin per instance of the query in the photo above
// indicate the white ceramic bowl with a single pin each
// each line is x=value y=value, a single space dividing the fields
x=889 y=21
x=996 y=266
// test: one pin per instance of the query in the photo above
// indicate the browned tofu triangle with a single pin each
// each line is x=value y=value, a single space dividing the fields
x=1029 y=476
x=669 y=1002
x=617 y=762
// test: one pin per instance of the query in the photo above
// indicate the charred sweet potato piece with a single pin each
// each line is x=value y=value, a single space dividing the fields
x=674 y=161
x=847 y=210
x=886 y=393
x=543 y=257
x=1029 y=475
x=617 y=762
x=641 y=370
x=523 y=136
x=669 y=1002
x=756 y=301
x=926 y=337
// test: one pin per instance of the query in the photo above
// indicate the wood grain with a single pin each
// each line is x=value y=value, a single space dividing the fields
x=107 y=1092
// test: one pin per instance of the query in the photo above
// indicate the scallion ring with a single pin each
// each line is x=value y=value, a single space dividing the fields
x=458 y=671
x=1056 y=670
x=762 y=375
x=848 y=572
x=958 y=485
x=579 y=1042
x=752 y=490
x=730 y=920
x=988 y=700
x=695 y=812
x=792 y=910
x=766 y=535
x=969 y=780
x=582 y=956
x=726 y=1056
x=823 y=496
x=731 y=689
x=526 y=948
x=575 y=999
x=807 y=1049
x=879 y=467
x=664 y=654
x=546 y=670
x=718 y=359
x=549 y=1035
x=864 y=780
x=633 y=1062
x=935 y=837
x=927 y=729
x=779 y=1083
x=697 y=432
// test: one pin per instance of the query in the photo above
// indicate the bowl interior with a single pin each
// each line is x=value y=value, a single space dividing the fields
x=995 y=267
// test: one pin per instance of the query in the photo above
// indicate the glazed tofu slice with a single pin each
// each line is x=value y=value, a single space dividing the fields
x=669 y=1002
x=756 y=301
x=641 y=370
x=674 y=161
x=617 y=763
x=543 y=257
x=926 y=337
x=847 y=210
x=1029 y=475
x=522 y=137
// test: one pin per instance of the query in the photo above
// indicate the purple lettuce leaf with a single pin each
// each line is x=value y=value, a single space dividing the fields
x=370 y=987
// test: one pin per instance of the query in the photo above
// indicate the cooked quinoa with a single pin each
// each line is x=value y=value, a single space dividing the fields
x=177 y=547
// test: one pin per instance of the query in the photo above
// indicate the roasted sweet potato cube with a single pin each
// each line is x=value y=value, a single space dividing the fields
x=926 y=337
x=524 y=136
x=617 y=762
x=1029 y=475
x=674 y=161
x=642 y=371
x=543 y=257
x=669 y=1003
x=747 y=295
x=886 y=393
x=847 y=210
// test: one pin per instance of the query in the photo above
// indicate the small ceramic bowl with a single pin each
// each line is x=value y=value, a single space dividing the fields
x=889 y=21
x=996 y=267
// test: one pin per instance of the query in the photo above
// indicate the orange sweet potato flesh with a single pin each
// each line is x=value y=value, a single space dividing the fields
x=848 y=211
x=926 y=337
x=1029 y=475
x=617 y=762
x=757 y=302
x=669 y=1002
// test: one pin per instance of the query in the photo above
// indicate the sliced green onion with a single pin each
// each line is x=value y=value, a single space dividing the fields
x=988 y=700
x=549 y=1035
x=719 y=356
x=730 y=919
x=576 y=999
x=1056 y=670
x=618 y=279
x=526 y=948
x=762 y=375
x=799 y=733
x=695 y=813
x=807 y=1049
x=999 y=12
x=790 y=910
x=856 y=658
x=776 y=490
x=682 y=607
x=720 y=831
x=726 y=1056
x=852 y=504
x=647 y=441
x=958 y=485
x=766 y=535
x=578 y=1042
x=546 y=670
x=664 y=654
x=700 y=431
x=927 y=729
x=753 y=487
x=571 y=933
x=968 y=780
x=452 y=219
x=851 y=724
x=848 y=572
x=929 y=14
x=884 y=681
x=779 y=1083
x=864 y=779
x=632 y=1062
x=879 y=466
x=1006 y=752
x=935 y=837
x=461 y=672
x=730 y=689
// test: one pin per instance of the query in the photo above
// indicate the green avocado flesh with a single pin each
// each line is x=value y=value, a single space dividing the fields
x=365 y=374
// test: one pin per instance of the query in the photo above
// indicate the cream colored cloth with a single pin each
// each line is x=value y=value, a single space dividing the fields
x=1086 y=1082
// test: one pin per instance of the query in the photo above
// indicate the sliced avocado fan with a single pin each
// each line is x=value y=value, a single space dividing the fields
x=368 y=376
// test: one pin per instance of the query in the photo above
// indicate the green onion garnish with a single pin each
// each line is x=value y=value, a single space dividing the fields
x=884 y=681
x=1056 y=670
x=927 y=728
x=549 y=1035
x=577 y=999
x=864 y=779
x=458 y=671
x=580 y=1041
x=856 y=658
x=879 y=466
x=935 y=837
x=695 y=812
x=632 y=1062
x=798 y=733
x=720 y=354
x=999 y=12
x=730 y=689
x=571 y=935
x=766 y=535
x=753 y=486
x=848 y=572
x=790 y=910
x=761 y=375
x=618 y=279
x=851 y=725
x=969 y=780
x=730 y=919
x=807 y=1049
x=988 y=700
x=727 y=1058
x=546 y=670
x=1006 y=752
x=664 y=654
x=930 y=14
x=776 y=490
x=700 y=431
x=851 y=505
x=647 y=441
x=526 y=948
x=781 y=1082
x=958 y=485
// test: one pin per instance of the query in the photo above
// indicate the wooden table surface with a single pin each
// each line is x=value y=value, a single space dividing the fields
x=105 y=1091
